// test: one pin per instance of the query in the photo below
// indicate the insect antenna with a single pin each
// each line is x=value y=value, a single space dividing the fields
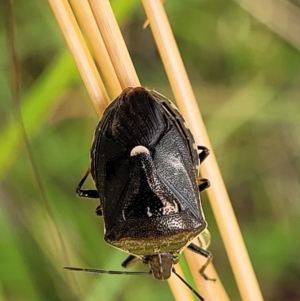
x=188 y=285
x=97 y=271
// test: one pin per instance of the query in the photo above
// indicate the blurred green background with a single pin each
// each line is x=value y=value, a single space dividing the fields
x=246 y=79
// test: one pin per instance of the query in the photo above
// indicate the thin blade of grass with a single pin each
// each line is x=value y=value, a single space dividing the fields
x=35 y=107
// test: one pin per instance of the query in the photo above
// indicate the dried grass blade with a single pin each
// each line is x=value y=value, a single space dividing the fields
x=233 y=241
x=81 y=54
x=89 y=26
x=115 y=44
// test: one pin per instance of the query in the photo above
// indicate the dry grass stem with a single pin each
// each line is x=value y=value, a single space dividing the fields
x=233 y=241
x=81 y=54
x=115 y=44
x=89 y=26
x=209 y=289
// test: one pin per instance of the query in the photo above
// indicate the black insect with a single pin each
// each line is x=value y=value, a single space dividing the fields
x=144 y=163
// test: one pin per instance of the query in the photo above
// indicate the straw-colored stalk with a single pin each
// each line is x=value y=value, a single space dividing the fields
x=218 y=196
x=118 y=72
x=81 y=54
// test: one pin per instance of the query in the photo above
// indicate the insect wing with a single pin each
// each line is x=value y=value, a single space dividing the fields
x=178 y=162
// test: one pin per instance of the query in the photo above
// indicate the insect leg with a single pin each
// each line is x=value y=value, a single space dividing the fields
x=203 y=184
x=93 y=194
x=130 y=260
x=206 y=254
x=203 y=154
x=99 y=210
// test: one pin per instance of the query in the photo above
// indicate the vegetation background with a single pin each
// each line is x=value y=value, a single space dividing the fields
x=246 y=79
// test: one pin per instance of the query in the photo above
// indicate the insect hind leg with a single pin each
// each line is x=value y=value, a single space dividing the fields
x=206 y=254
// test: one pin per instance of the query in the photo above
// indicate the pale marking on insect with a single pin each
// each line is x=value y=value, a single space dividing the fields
x=149 y=212
x=123 y=215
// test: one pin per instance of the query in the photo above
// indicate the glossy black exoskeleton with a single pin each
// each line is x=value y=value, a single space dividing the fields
x=144 y=163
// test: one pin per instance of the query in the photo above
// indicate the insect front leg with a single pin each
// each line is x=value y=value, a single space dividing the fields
x=90 y=193
x=206 y=254
x=130 y=260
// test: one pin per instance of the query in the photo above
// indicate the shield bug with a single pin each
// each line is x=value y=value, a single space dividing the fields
x=144 y=163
